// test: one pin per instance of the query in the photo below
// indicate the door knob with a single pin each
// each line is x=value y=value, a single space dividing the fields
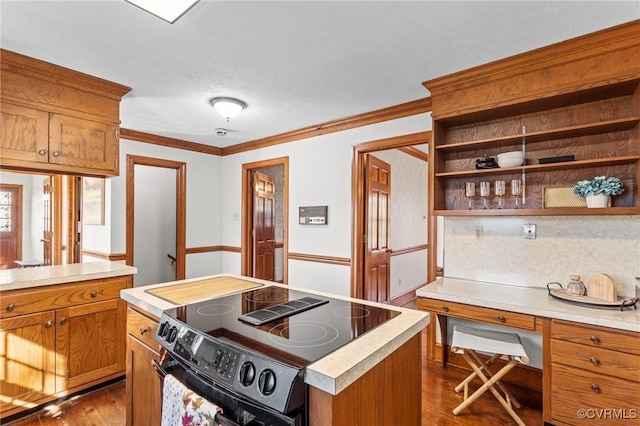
x=63 y=320
x=45 y=241
x=56 y=153
x=42 y=152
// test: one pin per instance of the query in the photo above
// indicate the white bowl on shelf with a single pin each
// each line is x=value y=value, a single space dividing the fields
x=510 y=159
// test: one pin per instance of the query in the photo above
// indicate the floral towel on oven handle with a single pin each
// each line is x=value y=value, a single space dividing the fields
x=183 y=407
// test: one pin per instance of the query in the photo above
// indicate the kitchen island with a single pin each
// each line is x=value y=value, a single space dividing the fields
x=375 y=376
x=63 y=328
x=590 y=355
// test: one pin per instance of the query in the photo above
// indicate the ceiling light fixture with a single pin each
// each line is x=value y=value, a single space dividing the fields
x=169 y=10
x=228 y=107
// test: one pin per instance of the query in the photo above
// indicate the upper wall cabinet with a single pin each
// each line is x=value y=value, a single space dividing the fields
x=578 y=98
x=55 y=120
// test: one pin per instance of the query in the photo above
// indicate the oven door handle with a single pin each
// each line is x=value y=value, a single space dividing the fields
x=162 y=369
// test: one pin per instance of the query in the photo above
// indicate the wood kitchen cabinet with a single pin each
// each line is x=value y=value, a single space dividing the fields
x=144 y=388
x=580 y=97
x=56 y=120
x=594 y=375
x=59 y=339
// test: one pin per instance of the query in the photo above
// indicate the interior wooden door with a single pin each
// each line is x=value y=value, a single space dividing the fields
x=377 y=251
x=47 y=226
x=10 y=225
x=264 y=194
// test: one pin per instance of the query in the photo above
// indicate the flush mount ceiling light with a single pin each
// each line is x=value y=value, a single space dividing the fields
x=228 y=107
x=169 y=10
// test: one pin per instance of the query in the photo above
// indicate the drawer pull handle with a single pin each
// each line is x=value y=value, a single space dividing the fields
x=595 y=339
x=594 y=360
x=42 y=152
x=63 y=320
x=56 y=153
x=48 y=324
x=595 y=388
x=445 y=308
x=143 y=331
x=11 y=307
x=501 y=318
x=94 y=294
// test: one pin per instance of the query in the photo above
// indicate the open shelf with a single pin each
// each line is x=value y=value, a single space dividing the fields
x=545 y=135
x=541 y=212
x=580 y=164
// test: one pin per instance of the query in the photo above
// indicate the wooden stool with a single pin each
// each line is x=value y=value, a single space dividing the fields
x=466 y=341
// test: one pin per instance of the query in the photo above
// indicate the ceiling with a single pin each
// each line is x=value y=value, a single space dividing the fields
x=295 y=63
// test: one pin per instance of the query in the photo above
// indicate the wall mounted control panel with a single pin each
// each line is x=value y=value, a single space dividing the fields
x=313 y=215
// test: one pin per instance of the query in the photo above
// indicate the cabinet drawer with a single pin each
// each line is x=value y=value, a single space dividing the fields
x=142 y=328
x=596 y=360
x=594 y=336
x=494 y=316
x=571 y=391
x=45 y=298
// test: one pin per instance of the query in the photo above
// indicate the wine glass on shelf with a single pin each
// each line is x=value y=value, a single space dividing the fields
x=516 y=190
x=470 y=192
x=500 y=187
x=485 y=192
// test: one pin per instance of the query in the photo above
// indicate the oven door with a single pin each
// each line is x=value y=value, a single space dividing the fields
x=236 y=409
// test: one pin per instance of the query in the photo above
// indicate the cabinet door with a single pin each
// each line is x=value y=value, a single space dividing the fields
x=144 y=388
x=24 y=134
x=90 y=342
x=27 y=353
x=82 y=143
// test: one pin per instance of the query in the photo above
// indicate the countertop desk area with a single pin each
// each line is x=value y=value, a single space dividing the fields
x=591 y=355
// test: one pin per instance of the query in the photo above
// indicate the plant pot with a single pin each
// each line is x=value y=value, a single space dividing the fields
x=598 y=201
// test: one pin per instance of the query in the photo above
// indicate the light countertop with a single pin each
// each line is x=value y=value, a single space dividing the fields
x=12 y=279
x=339 y=369
x=527 y=300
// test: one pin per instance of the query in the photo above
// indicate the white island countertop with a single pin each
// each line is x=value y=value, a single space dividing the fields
x=12 y=279
x=528 y=300
x=337 y=370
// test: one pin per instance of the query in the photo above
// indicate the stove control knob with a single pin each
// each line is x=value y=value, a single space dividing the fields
x=267 y=382
x=247 y=373
x=173 y=334
x=164 y=329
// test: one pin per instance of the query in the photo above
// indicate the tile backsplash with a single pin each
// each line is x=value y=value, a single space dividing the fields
x=564 y=245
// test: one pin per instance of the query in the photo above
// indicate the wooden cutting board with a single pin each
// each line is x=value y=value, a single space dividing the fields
x=181 y=294
x=602 y=286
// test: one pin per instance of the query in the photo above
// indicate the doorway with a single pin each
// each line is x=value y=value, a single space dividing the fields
x=156 y=226
x=362 y=285
x=10 y=225
x=264 y=219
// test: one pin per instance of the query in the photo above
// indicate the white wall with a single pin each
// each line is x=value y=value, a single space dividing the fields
x=319 y=174
x=204 y=203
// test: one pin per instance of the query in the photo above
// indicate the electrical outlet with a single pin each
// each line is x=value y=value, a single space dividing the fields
x=478 y=232
x=529 y=231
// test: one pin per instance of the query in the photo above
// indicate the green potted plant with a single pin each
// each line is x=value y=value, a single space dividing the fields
x=599 y=190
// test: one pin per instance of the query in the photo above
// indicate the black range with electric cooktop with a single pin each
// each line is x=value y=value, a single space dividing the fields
x=247 y=352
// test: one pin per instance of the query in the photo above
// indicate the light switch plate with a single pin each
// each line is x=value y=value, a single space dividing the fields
x=529 y=231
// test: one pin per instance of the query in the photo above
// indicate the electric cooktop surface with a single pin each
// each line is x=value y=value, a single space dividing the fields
x=304 y=328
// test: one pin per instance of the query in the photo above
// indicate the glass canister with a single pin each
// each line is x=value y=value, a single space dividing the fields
x=575 y=286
